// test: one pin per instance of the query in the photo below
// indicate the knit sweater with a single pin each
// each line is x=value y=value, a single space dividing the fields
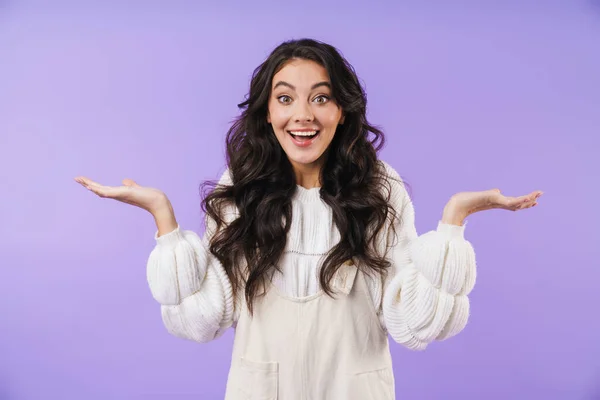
x=424 y=297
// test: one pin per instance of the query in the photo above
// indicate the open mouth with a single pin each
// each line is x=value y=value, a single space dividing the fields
x=304 y=137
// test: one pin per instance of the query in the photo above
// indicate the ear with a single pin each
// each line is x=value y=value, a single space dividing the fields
x=342 y=119
x=268 y=118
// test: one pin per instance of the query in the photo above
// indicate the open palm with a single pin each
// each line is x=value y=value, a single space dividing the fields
x=147 y=198
x=472 y=202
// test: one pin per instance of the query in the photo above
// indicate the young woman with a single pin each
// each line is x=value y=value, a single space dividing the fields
x=310 y=250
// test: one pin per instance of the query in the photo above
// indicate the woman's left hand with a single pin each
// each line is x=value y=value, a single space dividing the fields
x=463 y=204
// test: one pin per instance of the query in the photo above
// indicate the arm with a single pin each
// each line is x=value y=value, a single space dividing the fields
x=425 y=298
x=189 y=282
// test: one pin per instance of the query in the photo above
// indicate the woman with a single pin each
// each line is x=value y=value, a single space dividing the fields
x=310 y=250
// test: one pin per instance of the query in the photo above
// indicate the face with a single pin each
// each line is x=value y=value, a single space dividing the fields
x=302 y=113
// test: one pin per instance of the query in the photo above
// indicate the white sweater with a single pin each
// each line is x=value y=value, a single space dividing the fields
x=423 y=299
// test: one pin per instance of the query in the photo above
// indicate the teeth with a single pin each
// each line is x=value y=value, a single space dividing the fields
x=304 y=133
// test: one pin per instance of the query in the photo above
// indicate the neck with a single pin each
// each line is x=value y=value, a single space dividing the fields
x=307 y=175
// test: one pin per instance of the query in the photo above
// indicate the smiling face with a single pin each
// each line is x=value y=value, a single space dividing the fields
x=303 y=114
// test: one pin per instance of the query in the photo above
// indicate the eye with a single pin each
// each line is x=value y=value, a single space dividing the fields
x=324 y=98
x=280 y=98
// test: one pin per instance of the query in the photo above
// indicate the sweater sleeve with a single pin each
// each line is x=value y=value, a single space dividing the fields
x=425 y=298
x=191 y=284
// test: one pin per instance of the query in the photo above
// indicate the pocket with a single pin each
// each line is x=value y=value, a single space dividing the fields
x=379 y=384
x=257 y=380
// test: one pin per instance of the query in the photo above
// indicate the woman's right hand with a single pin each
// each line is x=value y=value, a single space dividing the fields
x=147 y=198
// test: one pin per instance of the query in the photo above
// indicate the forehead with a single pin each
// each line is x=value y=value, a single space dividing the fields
x=301 y=73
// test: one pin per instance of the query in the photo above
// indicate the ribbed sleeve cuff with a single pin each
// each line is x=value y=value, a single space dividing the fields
x=452 y=231
x=169 y=239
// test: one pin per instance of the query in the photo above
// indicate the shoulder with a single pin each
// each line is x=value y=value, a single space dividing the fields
x=226 y=179
x=224 y=205
x=389 y=171
x=393 y=184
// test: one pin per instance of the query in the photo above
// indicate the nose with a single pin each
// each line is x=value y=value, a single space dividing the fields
x=303 y=113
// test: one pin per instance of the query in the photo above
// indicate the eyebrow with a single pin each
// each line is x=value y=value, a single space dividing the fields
x=313 y=87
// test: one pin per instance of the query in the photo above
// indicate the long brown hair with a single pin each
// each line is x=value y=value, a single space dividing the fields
x=263 y=180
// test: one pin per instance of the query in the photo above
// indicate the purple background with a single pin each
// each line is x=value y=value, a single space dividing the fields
x=473 y=95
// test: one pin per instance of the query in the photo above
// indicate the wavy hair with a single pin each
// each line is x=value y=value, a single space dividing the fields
x=263 y=181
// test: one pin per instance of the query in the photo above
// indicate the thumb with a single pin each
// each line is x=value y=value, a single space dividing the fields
x=496 y=190
x=130 y=183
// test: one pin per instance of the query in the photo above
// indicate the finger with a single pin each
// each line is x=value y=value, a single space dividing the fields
x=529 y=204
x=87 y=182
x=535 y=194
x=517 y=203
x=526 y=199
x=81 y=180
x=512 y=202
x=93 y=185
x=103 y=191
x=531 y=199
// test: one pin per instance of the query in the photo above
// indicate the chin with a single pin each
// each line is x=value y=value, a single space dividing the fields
x=303 y=159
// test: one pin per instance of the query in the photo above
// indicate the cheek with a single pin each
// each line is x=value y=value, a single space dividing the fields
x=279 y=116
x=331 y=117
